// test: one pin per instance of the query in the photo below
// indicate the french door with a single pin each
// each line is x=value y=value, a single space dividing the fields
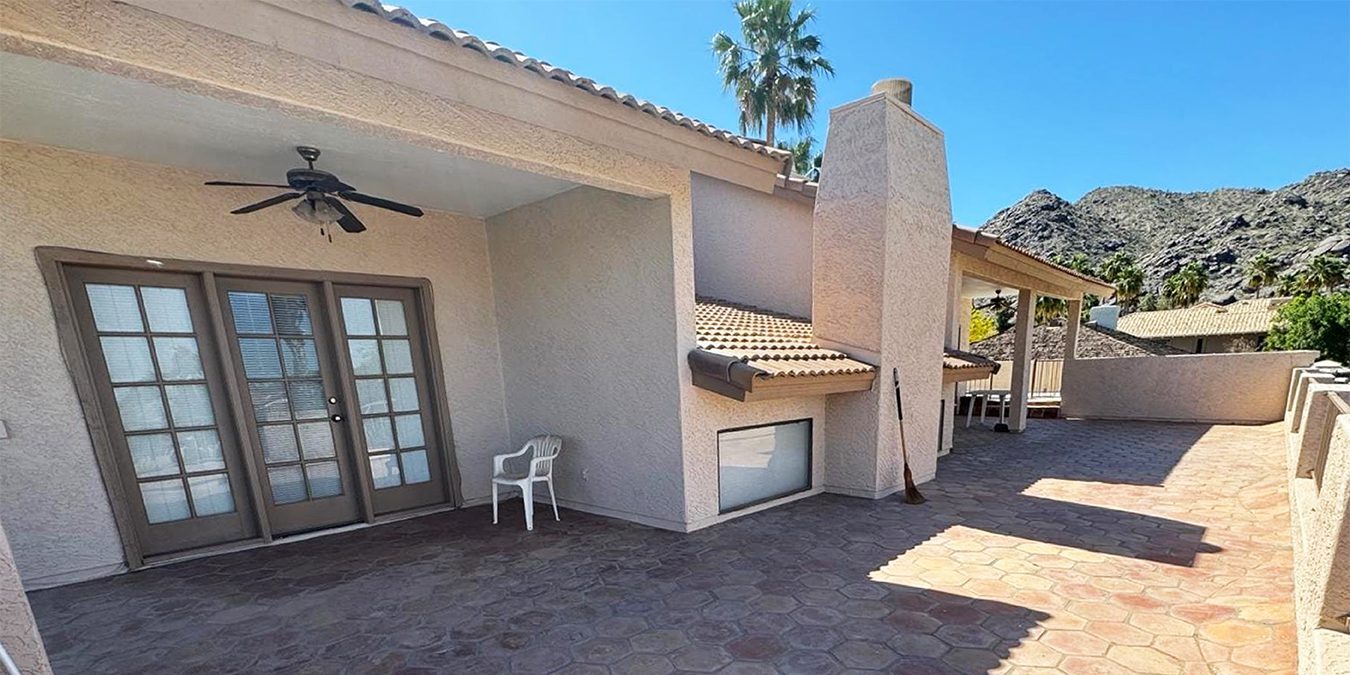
x=182 y=476
x=242 y=407
x=287 y=365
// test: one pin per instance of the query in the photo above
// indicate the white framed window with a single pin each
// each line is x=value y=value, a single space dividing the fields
x=760 y=463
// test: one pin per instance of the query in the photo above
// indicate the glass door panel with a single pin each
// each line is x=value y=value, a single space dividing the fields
x=286 y=365
x=382 y=331
x=179 y=462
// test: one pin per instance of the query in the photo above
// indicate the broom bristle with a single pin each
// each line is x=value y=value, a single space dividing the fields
x=912 y=495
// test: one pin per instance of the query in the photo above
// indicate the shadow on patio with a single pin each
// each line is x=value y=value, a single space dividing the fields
x=983 y=577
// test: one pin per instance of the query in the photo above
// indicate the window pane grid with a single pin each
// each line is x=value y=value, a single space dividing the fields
x=283 y=323
x=162 y=499
x=380 y=350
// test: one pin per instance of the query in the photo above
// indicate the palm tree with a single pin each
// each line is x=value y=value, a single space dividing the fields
x=1129 y=281
x=1184 y=288
x=1324 y=273
x=1117 y=263
x=1262 y=271
x=805 y=160
x=773 y=72
x=1048 y=309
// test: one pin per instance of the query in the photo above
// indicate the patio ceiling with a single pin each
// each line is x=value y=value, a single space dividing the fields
x=65 y=106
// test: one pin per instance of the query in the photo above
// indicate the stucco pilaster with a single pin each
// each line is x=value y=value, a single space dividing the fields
x=881 y=252
x=18 y=630
x=1021 y=367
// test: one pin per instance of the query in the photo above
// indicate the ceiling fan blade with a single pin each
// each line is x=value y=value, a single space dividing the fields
x=382 y=203
x=230 y=183
x=348 y=221
x=271 y=201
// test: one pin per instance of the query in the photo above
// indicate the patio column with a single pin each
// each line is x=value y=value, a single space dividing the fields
x=1071 y=324
x=1021 y=367
x=881 y=247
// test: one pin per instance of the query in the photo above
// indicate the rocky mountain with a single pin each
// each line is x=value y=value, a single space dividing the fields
x=1223 y=229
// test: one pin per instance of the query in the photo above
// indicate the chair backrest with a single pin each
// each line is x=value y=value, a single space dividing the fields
x=544 y=449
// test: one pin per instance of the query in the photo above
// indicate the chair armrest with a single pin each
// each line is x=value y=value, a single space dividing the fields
x=498 y=461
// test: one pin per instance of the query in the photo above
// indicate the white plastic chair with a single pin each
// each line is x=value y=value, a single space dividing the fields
x=542 y=451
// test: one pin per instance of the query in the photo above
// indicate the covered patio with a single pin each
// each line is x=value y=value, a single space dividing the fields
x=1105 y=547
x=982 y=266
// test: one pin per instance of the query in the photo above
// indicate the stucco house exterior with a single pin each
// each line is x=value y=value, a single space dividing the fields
x=709 y=337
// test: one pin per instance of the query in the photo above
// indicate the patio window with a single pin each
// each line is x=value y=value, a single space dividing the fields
x=761 y=463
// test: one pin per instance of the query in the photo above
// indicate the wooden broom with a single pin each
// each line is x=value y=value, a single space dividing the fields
x=912 y=495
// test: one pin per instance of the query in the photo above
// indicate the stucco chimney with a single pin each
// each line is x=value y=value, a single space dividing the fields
x=882 y=241
x=899 y=87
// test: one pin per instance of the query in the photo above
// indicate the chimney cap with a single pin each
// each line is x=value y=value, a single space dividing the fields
x=899 y=87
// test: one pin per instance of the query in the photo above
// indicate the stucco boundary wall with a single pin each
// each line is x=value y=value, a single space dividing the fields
x=1247 y=388
x=1318 y=426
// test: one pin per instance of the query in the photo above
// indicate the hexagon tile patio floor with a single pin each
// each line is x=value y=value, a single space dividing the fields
x=1078 y=547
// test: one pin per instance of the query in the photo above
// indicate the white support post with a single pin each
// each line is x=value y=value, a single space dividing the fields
x=1021 y=367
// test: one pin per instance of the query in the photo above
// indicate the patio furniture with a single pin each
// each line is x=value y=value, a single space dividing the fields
x=1003 y=396
x=542 y=450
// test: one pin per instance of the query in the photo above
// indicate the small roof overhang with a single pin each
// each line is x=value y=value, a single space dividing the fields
x=962 y=366
x=753 y=354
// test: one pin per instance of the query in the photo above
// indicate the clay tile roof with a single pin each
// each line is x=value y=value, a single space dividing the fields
x=1047 y=343
x=1244 y=317
x=955 y=359
x=777 y=345
x=492 y=50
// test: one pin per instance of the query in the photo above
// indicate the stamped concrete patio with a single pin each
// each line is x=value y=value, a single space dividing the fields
x=1078 y=547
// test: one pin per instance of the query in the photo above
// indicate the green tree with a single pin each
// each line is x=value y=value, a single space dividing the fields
x=1116 y=264
x=1004 y=310
x=1262 y=272
x=1320 y=322
x=1048 y=309
x=805 y=159
x=773 y=70
x=1129 y=281
x=1185 y=287
x=982 y=325
x=1290 y=283
x=1325 y=273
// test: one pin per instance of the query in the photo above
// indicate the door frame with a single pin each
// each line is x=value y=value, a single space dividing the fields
x=53 y=262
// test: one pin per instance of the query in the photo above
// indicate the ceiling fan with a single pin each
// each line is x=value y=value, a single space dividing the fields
x=320 y=194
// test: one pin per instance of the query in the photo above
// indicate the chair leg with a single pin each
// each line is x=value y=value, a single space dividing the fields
x=970 y=410
x=554 y=497
x=494 y=502
x=527 y=495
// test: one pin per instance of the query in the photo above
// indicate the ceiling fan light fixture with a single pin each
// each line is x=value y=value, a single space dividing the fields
x=317 y=211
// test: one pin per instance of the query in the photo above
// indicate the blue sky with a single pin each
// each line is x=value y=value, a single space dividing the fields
x=1065 y=96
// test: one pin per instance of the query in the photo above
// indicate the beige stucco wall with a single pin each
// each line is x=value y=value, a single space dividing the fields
x=18 y=632
x=1321 y=521
x=712 y=413
x=584 y=291
x=1243 y=388
x=51 y=496
x=751 y=247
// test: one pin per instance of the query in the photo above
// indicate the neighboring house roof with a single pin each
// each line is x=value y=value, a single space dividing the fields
x=544 y=69
x=1244 y=317
x=1047 y=342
